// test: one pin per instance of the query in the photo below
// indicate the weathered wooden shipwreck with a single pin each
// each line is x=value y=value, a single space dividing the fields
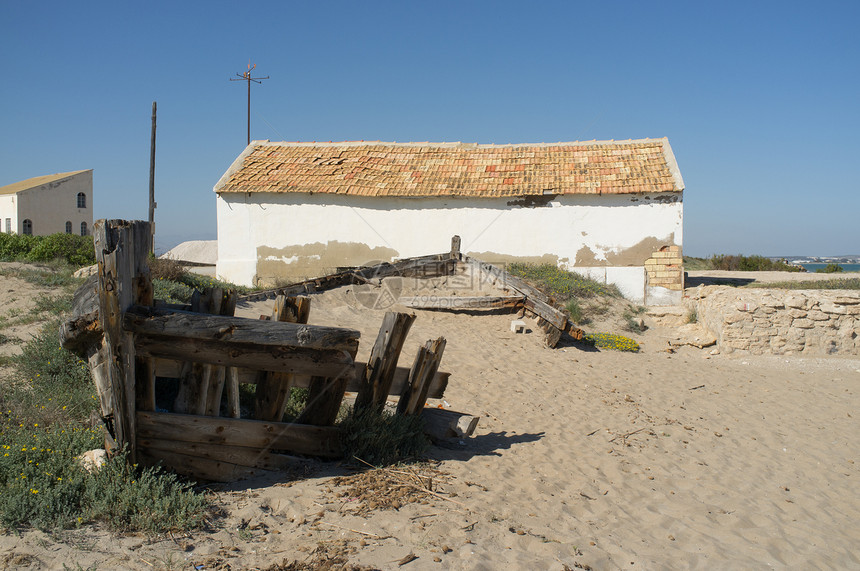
x=131 y=340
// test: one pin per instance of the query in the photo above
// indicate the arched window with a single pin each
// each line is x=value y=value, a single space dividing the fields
x=83 y=228
x=68 y=227
x=82 y=200
x=27 y=225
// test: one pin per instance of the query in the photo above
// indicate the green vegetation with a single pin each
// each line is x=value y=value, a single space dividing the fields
x=44 y=424
x=830 y=269
x=739 y=263
x=694 y=264
x=382 y=438
x=835 y=283
x=561 y=284
x=173 y=283
x=612 y=341
x=68 y=248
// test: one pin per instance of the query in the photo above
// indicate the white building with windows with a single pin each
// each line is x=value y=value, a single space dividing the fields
x=48 y=204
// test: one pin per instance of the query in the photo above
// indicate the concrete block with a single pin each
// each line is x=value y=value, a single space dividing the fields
x=518 y=326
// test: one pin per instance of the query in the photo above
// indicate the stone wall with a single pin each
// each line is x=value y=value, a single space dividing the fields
x=782 y=322
x=664 y=276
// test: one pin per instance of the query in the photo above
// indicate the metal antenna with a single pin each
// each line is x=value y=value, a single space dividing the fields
x=247 y=77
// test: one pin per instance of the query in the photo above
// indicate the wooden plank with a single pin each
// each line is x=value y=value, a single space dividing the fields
x=234 y=331
x=322 y=441
x=273 y=389
x=97 y=359
x=379 y=373
x=232 y=388
x=436 y=348
x=171 y=369
x=122 y=248
x=199 y=468
x=423 y=370
x=324 y=398
x=460 y=303
x=295 y=360
x=238 y=455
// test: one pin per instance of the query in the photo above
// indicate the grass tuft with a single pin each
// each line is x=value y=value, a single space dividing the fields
x=382 y=438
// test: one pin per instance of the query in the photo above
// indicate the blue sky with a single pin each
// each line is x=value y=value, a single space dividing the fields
x=760 y=100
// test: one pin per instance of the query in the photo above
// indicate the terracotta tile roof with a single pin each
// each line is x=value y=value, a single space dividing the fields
x=455 y=169
x=17 y=187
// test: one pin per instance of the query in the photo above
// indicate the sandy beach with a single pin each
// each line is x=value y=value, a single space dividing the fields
x=678 y=459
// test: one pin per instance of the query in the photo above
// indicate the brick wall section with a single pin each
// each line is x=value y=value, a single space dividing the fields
x=780 y=322
x=665 y=268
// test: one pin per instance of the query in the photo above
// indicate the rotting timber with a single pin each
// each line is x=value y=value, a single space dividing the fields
x=133 y=342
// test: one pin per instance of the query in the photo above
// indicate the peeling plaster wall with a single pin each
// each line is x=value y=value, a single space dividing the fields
x=299 y=235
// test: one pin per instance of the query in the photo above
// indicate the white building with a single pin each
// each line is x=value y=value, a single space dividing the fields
x=609 y=209
x=48 y=204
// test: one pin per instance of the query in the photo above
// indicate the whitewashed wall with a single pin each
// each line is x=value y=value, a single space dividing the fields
x=608 y=237
x=8 y=210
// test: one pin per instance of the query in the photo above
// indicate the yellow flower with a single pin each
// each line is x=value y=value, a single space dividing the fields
x=34 y=491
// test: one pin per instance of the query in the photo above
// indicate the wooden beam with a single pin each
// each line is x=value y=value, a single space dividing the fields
x=323 y=441
x=238 y=455
x=235 y=331
x=463 y=303
x=171 y=369
x=295 y=360
x=199 y=468
x=423 y=266
x=378 y=375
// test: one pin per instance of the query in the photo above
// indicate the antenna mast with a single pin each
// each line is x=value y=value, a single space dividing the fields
x=247 y=78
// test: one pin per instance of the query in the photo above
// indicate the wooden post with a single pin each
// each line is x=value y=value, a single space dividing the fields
x=273 y=389
x=121 y=251
x=152 y=181
x=383 y=360
x=420 y=377
x=455 y=248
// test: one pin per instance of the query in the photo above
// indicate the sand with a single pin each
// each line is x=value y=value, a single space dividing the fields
x=582 y=458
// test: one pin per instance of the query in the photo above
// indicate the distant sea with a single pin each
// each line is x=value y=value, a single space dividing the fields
x=846 y=267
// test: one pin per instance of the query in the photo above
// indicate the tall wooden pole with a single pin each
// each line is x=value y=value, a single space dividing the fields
x=152 y=181
x=246 y=77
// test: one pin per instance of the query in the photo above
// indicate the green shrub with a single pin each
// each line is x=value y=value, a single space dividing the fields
x=171 y=291
x=750 y=264
x=71 y=249
x=830 y=269
x=575 y=311
x=127 y=498
x=382 y=438
x=54 y=384
x=41 y=483
x=833 y=283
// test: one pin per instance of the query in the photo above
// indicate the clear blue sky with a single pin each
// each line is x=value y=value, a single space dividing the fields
x=760 y=100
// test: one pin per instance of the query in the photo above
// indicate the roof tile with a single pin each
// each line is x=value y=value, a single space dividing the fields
x=455 y=169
